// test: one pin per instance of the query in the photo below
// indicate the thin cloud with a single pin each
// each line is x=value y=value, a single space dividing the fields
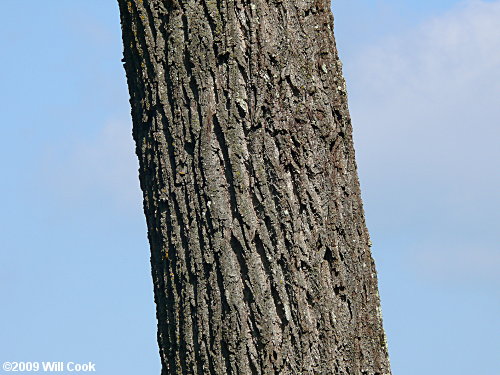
x=456 y=263
x=426 y=115
x=103 y=168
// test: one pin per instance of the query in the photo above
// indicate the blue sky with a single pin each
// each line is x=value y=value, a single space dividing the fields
x=423 y=80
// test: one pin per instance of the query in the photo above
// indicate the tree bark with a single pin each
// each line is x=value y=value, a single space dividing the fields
x=259 y=251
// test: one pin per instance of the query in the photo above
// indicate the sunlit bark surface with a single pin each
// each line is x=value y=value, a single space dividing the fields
x=260 y=255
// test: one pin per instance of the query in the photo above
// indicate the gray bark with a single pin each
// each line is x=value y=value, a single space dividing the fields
x=259 y=251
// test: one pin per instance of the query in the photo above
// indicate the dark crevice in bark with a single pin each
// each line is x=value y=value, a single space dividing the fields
x=228 y=171
x=227 y=357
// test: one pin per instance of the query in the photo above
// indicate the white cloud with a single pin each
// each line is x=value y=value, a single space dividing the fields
x=426 y=121
x=440 y=76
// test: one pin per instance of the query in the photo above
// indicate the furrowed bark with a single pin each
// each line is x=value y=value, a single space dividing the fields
x=259 y=251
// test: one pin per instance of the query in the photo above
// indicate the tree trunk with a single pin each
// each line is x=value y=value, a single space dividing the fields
x=259 y=251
